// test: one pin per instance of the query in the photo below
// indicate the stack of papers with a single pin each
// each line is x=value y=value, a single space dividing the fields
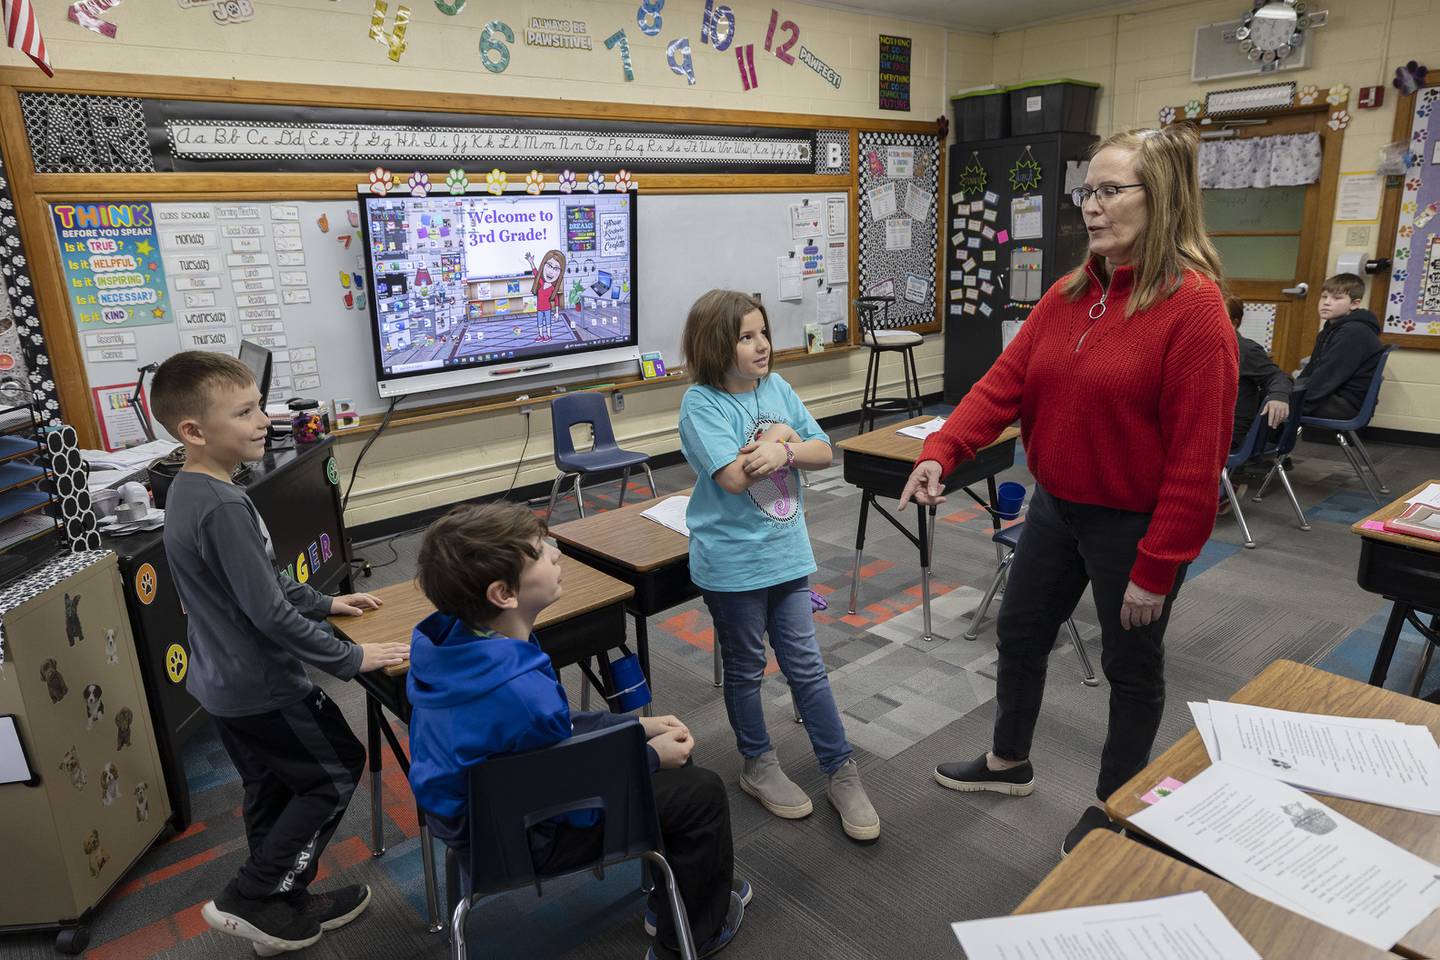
x=1189 y=924
x=670 y=512
x=922 y=430
x=1275 y=842
x=130 y=458
x=1430 y=496
x=1374 y=761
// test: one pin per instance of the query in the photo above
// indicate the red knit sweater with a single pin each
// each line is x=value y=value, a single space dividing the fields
x=1132 y=413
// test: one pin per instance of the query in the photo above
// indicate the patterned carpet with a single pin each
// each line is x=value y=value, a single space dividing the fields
x=907 y=704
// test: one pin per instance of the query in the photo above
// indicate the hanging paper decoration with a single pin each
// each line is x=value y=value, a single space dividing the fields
x=567 y=181
x=647 y=17
x=1339 y=95
x=22 y=32
x=622 y=181
x=677 y=54
x=380 y=181
x=745 y=60
x=534 y=182
x=1339 y=120
x=1167 y=116
x=87 y=13
x=495 y=181
x=456 y=182
x=1192 y=109
x=394 y=39
x=489 y=45
x=1308 y=94
x=596 y=182
x=1410 y=77
x=240 y=11
x=1025 y=175
x=973 y=178
x=618 y=37
x=782 y=51
x=419 y=184
x=450 y=7
x=717 y=26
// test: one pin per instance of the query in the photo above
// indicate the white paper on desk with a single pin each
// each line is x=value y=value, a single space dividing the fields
x=670 y=512
x=1186 y=926
x=131 y=457
x=1375 y=761
x=1430 y=496
x=922 y=430
x=1271 y=840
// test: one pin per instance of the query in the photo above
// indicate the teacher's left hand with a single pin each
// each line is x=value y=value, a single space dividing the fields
x=1140 y=608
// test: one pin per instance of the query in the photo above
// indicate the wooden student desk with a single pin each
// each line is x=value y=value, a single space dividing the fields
x=1404 y=570
x=1286 y=685
x=649 y=556
x=587 y=620
x=1106 y=868
x=880 y=462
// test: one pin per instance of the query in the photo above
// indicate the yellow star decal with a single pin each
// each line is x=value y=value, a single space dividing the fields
x=144 y=248
x=158 y=314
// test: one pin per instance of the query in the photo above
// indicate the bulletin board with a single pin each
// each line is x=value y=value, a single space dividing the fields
x=1412 y=304
x=899 y=186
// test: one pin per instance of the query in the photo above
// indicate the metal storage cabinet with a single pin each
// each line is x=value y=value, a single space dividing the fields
x=97 y=801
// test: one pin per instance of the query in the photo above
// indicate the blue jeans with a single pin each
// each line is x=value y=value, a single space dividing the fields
x=783 y=611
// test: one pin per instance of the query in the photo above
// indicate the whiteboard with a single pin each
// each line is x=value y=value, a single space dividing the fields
x=248 y=258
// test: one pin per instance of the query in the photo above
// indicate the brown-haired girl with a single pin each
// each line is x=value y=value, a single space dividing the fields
x=546 y=286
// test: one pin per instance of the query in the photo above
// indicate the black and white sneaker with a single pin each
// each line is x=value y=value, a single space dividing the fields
x=272 y=924
x=970 y=776
x=334 y=909
x=1092 y=819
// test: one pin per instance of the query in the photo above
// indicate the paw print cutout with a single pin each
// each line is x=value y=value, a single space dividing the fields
x=596 y=182
x=456 y=182
x=495 y=181
x=1167 y=116
x=1340 y=93
x=419 y=184
x=380 y=181
x=1339 y=120
x=567 y=181
x=1192 y=109
x=622 y=181
x=1308 y=94
x=534 y=182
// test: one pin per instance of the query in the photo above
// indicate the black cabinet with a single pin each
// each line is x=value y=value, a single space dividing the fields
x=973 y=341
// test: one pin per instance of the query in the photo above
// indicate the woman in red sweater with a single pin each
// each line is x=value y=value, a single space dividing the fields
x=1124 y=378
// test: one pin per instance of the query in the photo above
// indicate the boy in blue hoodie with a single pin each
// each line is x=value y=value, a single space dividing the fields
x=480 y=687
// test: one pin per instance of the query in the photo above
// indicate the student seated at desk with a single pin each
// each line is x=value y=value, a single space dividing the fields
x=1264 y=392
x=480 y=687
x=1346 y=351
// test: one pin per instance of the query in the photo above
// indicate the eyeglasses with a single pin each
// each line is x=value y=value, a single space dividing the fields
x=1106 y=192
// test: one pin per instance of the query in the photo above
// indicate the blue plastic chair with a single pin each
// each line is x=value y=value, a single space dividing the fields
x=574 y=409
x=1009 y=538
x=1354 y=450
x=1261 y=443
x=606 y=771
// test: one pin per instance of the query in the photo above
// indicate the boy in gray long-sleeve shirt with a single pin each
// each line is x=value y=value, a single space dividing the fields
x=251 y=632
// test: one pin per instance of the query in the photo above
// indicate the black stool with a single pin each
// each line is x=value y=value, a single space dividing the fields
x=880 y=340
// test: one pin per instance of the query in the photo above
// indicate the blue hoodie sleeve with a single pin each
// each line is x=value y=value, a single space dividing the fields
x=592 y=720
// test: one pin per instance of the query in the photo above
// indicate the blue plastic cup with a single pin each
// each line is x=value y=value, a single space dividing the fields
x=1009 y=498
x=631 y=690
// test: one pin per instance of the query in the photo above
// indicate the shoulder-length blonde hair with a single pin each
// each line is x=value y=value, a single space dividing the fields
x=1173 y=240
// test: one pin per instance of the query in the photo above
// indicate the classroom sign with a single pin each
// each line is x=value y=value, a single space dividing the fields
x=114 y=277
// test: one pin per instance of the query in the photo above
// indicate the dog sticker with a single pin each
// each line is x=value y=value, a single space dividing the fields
x=96 y=856
x=54 y=682
x=109 y=784
x=124 y=717
x=112 y=651
x=142 y=802
x=94 y=706
x=73 y=631
x=70 y=763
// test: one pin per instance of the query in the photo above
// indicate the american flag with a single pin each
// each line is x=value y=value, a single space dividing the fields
x=23 y=33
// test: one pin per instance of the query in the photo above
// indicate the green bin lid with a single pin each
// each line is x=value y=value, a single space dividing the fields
x=986 y=91
x=1051 y=83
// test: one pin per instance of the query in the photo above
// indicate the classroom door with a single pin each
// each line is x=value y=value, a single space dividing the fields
x=1273 y=243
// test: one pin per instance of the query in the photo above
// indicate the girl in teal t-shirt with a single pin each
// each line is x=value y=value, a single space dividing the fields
x=746 y=434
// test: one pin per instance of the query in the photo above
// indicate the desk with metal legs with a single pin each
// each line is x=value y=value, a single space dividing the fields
x=880 y=462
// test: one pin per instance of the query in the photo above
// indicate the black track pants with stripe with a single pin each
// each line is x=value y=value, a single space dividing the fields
x=300 y=766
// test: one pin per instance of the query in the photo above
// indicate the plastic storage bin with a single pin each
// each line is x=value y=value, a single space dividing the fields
x=1053 y=106
x=981 y=114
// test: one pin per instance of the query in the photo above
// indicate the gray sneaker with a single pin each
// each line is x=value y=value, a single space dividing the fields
x=847 y=796
x=763 y=779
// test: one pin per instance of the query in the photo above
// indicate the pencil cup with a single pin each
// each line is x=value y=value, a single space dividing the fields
x=1009 y=498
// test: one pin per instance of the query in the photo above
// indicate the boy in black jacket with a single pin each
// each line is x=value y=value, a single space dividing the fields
x=1346 y=352
x=1264 y=387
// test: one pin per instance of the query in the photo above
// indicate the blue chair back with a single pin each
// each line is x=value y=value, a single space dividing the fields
x=606 y=771
x=1261 y=441
x=1250 y=446
x=1367 y=408
x=573 y=409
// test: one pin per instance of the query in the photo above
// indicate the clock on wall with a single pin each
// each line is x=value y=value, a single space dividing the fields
x=1273 y=29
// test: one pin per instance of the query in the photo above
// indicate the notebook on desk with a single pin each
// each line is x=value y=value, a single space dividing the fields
x=1418 y=520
